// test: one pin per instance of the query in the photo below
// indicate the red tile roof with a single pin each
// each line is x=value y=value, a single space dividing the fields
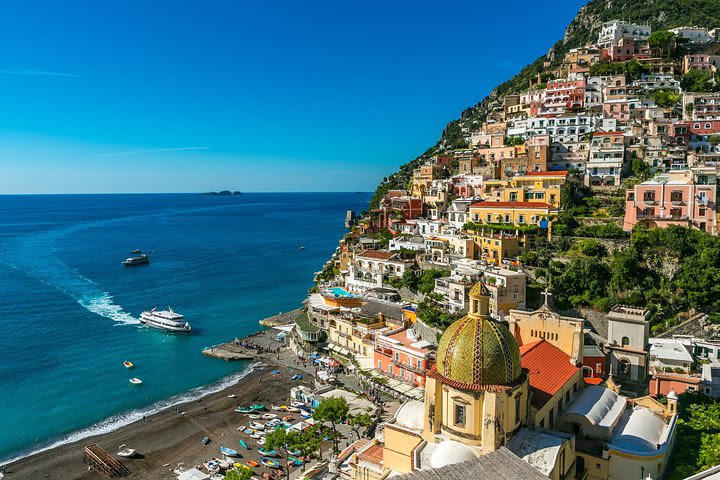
x=593 y=380
x=549 y=369
x=541 y=205
x=377 y=254
x=600 y=134
x=678 y=377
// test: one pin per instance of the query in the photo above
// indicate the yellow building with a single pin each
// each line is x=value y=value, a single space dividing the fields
x=496 y=247
x=519 y=213
x=536 y=187
x=423 y=178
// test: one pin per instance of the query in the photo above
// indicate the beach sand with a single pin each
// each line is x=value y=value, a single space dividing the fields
x=169 y=437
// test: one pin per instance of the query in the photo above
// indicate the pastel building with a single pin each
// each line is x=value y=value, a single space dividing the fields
x=606 y=163
x=520 y=213
x=701 y=62
x=680 y=197
x=614 y=30
x=370 y=269
x=400 y=354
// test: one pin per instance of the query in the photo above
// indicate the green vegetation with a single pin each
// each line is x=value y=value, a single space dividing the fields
x=697 y=440
x=239 y=473
x=668 y=270
x=332 y=410
x=697 y=81
x=662 y=42
x=666 y=98
x=417 y=281
x=632 y=68
x=361 y=422
x=432 y=312
x=501 y=227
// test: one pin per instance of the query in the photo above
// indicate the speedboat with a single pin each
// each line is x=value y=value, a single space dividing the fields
x=166 y=320
x=229 y=452
x=139 y=260
x=137 y=251
x=269 y=416
x=126 y=452
x=244 y=410
x=136 y=381
x=128 y=364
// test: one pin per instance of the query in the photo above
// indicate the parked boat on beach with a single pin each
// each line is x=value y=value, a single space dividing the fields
x=269 y=462
x=126 y=452
x=244 y=445
x=228 y=452
x=166 y=320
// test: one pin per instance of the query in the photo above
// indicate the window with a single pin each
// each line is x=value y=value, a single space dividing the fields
x=521 y=218
x=379 y=364
x=649 y=196
x=397 y=356
x=676 y=196
x=459 y=415
x=551 y=420
x=567 y=396
x=625 y=341
x=517 y=409
x=542 y=423
x=701 y=212
x=624 y=367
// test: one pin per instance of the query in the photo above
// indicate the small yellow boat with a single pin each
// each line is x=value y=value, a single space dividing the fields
x=128 y=364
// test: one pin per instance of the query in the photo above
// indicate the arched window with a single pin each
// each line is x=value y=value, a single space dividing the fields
x=624 y=367
x=625 y=341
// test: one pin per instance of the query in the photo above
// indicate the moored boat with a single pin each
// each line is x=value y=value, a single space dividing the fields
x=166 y=320
x=136 y=381
x=128 y=364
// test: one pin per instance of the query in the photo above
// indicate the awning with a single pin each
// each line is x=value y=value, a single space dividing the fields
x=193 y=474
x=285 y=328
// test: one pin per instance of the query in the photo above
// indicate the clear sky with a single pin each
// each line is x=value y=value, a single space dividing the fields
x=284 y=95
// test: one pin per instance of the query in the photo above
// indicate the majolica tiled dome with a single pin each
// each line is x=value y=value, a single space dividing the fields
x=476 y=352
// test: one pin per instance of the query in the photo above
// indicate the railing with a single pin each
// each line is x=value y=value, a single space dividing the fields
x=406 y=366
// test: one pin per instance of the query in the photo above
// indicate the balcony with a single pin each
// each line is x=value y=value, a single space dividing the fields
x=411 y=368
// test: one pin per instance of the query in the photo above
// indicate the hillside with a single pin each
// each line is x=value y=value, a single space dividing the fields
x=660 y=14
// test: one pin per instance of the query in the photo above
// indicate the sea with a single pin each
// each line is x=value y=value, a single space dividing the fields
x=69 y=309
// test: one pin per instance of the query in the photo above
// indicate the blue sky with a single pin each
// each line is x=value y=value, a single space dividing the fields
x=168 y=96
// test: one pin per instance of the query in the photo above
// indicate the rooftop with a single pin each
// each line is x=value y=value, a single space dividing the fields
x=304 y=324
x=501 y=464
x=538 y=447
x=549 y=369
x=376 y=254
x=533 y=205
x=671 y=351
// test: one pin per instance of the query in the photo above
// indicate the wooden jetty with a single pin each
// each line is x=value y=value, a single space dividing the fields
x=100 y=460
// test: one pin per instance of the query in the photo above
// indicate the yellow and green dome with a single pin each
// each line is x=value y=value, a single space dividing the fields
x=476 y=352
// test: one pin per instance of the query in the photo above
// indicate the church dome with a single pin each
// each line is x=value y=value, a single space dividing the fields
x=450 y=452
x=475 y=353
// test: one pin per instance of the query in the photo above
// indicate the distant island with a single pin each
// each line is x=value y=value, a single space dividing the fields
x=221 y=193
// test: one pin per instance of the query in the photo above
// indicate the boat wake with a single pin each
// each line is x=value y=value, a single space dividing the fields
x=120 y=420
x=32 y=255
x=104 y=306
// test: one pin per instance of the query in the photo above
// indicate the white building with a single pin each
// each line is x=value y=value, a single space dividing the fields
x=568 y=128
x=614 y=30
x=569 y=156
x=370 y=268
x=658 y=81
x=606 y=163
x=628 y=342
x=693 y=34
x=669 y=354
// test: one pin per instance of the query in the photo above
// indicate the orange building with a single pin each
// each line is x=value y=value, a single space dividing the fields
x=401 y=355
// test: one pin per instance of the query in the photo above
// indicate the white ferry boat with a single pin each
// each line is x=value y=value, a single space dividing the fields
x=165 y=320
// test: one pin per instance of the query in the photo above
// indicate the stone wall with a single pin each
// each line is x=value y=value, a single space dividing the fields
x=426 y=332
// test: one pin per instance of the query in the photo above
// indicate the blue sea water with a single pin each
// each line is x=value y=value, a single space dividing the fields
x=69 y=309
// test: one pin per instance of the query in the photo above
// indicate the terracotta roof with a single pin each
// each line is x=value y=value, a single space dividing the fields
x=373 y=454
x=600 y=134
x=593 y=380
x=559 y=173
x=377 y=254
x=541 y=205
x=678 y=377
x=549 y=368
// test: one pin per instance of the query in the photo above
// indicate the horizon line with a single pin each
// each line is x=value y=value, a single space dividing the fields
x=183 y=193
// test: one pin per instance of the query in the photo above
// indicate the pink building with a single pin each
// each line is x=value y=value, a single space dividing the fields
x=618 y=109
x=400 y=354
x=701 y=62
x=626 y=49
x=468 y=185
x=681 y=197
x=561 y=95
